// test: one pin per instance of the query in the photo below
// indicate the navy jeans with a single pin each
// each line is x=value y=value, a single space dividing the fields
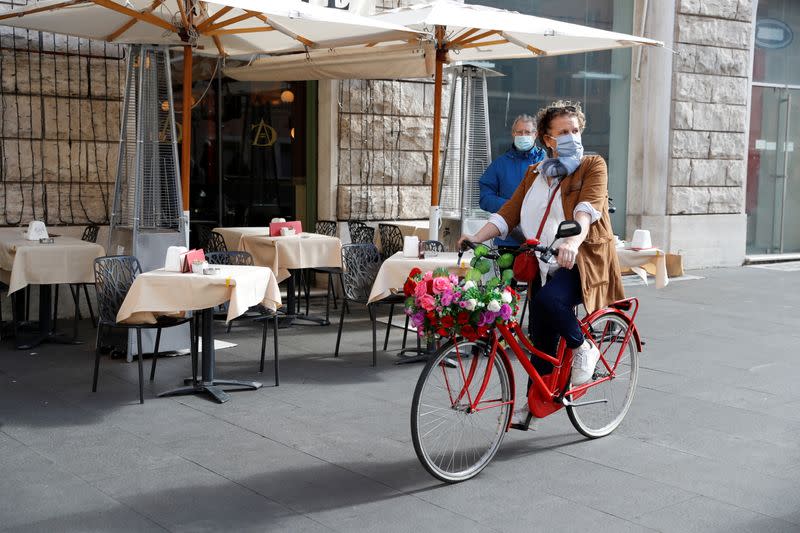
x=552 y=314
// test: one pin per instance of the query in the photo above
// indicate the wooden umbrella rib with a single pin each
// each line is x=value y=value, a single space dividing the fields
x=143 y=17
x=128 y=25
x=463 y=36
x=219 y=46
x=42 y=9
x=464 y=42
x=484 y=43
x=182 y=10
x=234 y=31
x=214 y=27
x=213 y=18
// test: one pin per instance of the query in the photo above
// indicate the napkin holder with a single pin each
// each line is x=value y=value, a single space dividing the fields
x=190 y=257
x=641 y=240
x=36 y=231
x=411 y=246
x=275 y=227
x=172 y=263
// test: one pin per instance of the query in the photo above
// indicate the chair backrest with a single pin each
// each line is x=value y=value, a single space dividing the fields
x=90 y=233
x=229 y=258
x=362 y=234
x=432 y=246
x=203 y=235
x=361 y=263
x=391 y=240
x=215 y=243
x=113 y=277
x=326 y=227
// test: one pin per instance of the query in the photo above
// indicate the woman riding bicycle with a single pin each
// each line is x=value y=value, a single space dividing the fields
x=587 y=269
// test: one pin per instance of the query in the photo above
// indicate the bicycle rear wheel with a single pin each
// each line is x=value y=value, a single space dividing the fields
x=454 y=442
x=615 y=395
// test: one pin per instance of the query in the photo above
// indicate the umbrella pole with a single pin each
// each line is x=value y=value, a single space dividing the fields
x=186 y=130
x=434 y=219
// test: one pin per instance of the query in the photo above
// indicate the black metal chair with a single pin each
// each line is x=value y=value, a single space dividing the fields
x=215 y=243
x=89 y=235
x=362 y=234
x=361 y=263
x=391 y=240
x=203 y=235
x=432 y=246
x=329 y=229
x=113 y=277
x=262 y=314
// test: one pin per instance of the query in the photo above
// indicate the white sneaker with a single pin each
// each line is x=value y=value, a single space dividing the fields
x=584 y=359
x=523 y=419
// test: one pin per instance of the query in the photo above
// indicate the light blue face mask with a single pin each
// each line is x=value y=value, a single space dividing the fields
x=523 y=143
x=570 y=152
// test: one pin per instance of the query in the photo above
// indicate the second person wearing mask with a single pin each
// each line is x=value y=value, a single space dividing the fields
x=503 y=176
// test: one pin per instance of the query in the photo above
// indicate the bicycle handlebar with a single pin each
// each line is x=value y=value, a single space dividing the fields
x=547 y=252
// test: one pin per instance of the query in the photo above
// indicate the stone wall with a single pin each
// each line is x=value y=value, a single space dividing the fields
x=710 y=96
x=384 y=165
x=59 y=127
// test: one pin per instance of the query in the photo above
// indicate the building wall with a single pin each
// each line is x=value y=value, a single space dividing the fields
x=688 y=187
x=59 y=127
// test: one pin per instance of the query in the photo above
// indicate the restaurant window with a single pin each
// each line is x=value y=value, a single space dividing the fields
x=258 y=170
x=600 y=81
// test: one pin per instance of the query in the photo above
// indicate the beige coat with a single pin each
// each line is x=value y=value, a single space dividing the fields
x=597 y=260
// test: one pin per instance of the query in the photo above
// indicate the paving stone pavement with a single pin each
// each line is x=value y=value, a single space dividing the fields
x=710 y=443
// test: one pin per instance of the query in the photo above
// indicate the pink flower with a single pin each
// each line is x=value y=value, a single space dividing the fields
x=427 y=302
x=441 y=285
x=447 y=298
x=505 y=311
x=453 y=279
x=421 y=290
x=427 y=276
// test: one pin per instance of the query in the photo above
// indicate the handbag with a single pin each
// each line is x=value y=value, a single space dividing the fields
x=526 y=264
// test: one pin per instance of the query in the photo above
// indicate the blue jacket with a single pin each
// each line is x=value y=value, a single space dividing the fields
x=502 y=178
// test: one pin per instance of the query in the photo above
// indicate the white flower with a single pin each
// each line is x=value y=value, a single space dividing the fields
x=493 y=306
x=468 y=285
x=506 y=297
x=471 y=304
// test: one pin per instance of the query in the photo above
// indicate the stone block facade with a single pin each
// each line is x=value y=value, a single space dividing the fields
x=59 y=127
x=710 y=94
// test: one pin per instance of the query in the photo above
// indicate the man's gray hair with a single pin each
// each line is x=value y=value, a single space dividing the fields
x=524 y=118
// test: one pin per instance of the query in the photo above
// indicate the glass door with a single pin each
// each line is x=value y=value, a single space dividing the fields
x=773 y=181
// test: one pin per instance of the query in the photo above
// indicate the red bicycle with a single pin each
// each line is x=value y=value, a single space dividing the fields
x=464 y=398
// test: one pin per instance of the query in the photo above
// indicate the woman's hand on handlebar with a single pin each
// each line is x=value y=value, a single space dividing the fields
x=465 y=241
x=567 y=252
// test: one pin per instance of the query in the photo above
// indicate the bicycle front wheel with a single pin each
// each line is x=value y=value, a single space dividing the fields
x=603 y=406
x=453 y=440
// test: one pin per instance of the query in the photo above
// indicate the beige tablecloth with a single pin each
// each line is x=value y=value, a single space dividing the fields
x=24 y=262
x=168 y=293
x=394 y=271
x=233 y=236
x=307 y=250
x=638 y=260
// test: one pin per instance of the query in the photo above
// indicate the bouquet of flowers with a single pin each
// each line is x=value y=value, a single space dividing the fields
x=440 y=303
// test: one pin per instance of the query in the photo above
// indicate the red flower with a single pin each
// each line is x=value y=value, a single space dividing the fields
x=408 y=288
x=447 y=321
x=432 y=318
x=430 y=286
x=483 y=331
x=416 y=271
x=469 y=333
x=443 y=332
x=463 y=318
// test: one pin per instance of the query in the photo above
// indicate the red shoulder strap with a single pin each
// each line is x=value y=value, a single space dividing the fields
x=547 y=211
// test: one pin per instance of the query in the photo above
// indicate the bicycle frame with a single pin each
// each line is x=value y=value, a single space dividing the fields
x=544 y=397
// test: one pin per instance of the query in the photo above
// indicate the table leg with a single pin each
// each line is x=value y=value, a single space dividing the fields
x=208 y=384
x=293 y=304
x=421 y=357
x=46 y=333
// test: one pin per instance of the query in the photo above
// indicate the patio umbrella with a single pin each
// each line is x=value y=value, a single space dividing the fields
x=479 y=33
x=461 y=33
x=219 y=27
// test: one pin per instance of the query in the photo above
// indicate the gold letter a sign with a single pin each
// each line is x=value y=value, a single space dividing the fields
x=265 y=134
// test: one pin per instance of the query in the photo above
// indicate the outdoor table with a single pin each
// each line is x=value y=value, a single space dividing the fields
x=233 y=236
x=24 y=262
x=393 y=274
x=642 y=261
x=169 y=293
x=286 y=255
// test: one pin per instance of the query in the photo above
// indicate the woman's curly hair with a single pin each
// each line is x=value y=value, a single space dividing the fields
x=557 y=109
